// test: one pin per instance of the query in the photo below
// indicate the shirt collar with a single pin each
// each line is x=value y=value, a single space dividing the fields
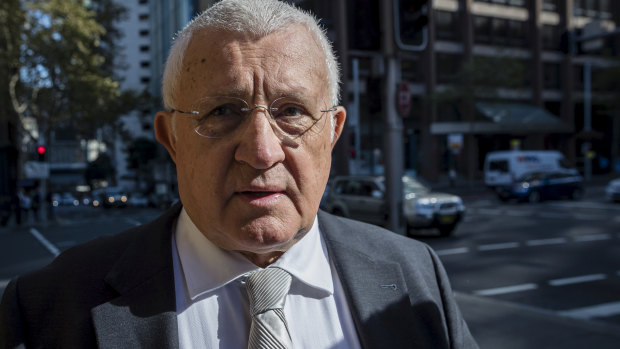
x=207 y=267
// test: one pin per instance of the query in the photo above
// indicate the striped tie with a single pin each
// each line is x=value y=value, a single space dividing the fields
x=267 y=290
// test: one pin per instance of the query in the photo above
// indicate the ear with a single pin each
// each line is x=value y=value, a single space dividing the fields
x=340 y=115
x=164 y=132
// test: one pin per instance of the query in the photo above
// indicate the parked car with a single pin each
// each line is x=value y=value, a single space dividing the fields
x=363 y=198
x=67 y=199
x=538 y=186
x=503 y=168
x=110 y=197
x=138 y=200
x=612 y=191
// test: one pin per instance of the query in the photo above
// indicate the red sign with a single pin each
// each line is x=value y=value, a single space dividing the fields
x=403 y=98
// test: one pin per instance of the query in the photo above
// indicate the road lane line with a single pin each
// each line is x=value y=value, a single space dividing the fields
x=552 y=215
x=505 y=290
x=50 y=247
x=541 y=242
x=592 y=237
x=500 y=246
x=451 y=251
x=585 y=217
x=133 y=221
x=514 y=213
x=577 y=279
x=599 y=310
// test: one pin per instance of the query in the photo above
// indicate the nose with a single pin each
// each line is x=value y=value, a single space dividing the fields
x=258 y=145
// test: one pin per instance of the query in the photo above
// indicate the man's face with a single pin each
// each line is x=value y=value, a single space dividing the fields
x=251 y=191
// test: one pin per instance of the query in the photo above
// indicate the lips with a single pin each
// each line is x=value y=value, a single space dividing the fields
x=261 y=196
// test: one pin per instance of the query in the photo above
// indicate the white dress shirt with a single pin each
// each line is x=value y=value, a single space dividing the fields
x=212 y=304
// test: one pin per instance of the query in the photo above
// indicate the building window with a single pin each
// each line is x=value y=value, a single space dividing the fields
x=500 y=31
x=145 y=79
x=143 y=2
x=448 y=66
x=144 y=17
x=551 y=76
x=551 y=37
x=446 y=25
x=145 y=64
x=144 y=32
x=550 y=5
x=144 y=48
x=517 y=33
x=482 y=29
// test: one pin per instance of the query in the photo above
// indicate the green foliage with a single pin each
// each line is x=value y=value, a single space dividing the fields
x=98 y=170
x=140 y=152
x=65 y=67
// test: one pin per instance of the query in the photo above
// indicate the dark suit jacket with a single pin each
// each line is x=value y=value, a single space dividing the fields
x=118 y=292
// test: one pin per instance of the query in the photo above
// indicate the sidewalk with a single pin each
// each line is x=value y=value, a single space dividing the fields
x=499 y=324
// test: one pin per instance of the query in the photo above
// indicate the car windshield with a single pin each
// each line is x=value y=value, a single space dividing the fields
x=412 y=186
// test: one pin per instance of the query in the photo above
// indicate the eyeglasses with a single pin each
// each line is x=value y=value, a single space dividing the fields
x=218 y=117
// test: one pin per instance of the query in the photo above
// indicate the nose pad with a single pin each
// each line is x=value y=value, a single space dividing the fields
x=284 y=139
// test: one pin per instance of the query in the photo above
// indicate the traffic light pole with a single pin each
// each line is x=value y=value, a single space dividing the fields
x=393 y=126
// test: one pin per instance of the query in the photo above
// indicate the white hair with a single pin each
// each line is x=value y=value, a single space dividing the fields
x=254 y=18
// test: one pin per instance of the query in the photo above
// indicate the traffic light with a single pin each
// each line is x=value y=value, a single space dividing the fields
x=412 y=19
x=41 y=152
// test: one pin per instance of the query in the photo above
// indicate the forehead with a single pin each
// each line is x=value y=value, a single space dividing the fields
x=286 y=61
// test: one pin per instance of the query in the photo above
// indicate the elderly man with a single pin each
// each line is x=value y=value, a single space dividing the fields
x=247 y=260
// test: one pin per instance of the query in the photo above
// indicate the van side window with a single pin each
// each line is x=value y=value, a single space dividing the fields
x=498 y=165
x=564 y=163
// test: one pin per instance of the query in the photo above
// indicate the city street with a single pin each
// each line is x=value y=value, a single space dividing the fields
x=526 y=275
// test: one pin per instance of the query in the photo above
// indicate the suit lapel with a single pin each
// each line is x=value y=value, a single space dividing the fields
x=144 y=313
x=375 y=288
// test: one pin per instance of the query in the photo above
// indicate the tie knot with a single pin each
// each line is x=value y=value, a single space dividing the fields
x=267 y=289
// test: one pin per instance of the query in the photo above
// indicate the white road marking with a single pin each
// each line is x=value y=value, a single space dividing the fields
x=505 y=290
x=133 y=221
x=590 y=217
x=4 y=283
x=514 y=213
x=599 y=310
x=500 y=246
x=541 y=242
x=592 y=237
x=552 y=215
x=450 y=251
x=53 y=249
x=577 y=279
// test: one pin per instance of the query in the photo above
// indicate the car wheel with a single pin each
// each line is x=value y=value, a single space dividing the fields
x=446 y=230
x=534 y=197
x=577 y=194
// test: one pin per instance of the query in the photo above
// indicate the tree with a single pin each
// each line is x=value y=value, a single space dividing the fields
x=64 y=72
x=140 y=154
x=99 y=170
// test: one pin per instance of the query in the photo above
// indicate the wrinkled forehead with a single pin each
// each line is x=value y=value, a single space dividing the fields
x=289 y=58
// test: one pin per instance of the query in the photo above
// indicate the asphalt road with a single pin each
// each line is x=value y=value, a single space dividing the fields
x=525 y=276
x=541 y=275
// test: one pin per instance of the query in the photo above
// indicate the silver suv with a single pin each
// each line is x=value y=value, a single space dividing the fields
x=363 y=198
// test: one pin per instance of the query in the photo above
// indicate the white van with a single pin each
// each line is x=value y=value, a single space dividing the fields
x=502 y=168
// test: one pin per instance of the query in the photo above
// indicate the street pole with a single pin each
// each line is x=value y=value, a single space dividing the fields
x=587 y=116
x=393 y=126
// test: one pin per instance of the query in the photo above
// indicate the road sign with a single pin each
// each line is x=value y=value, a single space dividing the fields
x=404 y=99
x=36 y=170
